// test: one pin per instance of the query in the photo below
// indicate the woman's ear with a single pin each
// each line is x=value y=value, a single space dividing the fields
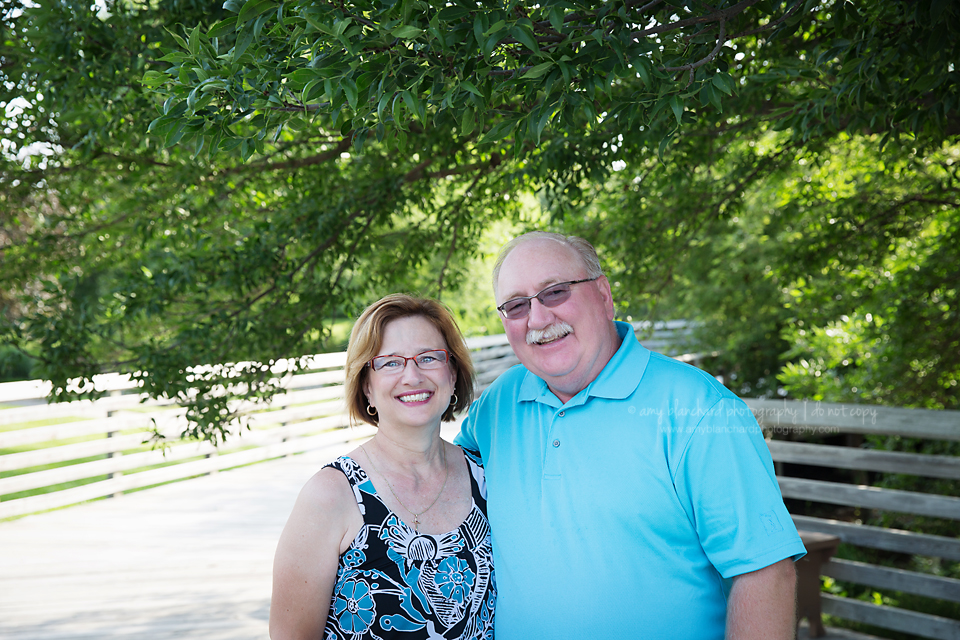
x=366 y=391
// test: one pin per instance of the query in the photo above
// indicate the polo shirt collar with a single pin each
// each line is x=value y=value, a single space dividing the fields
x=618 y=379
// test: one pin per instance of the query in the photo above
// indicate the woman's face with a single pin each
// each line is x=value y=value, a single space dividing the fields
x=410 y=397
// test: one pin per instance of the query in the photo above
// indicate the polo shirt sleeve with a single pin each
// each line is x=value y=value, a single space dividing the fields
x=725 y=480
x=467 y=438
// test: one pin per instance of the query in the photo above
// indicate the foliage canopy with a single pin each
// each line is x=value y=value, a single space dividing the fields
x=186 y=184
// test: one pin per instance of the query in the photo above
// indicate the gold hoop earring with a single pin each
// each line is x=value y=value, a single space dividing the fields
x=453 y=400
x=369 y=412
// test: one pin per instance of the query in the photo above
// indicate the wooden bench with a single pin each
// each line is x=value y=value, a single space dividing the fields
x=820 y=548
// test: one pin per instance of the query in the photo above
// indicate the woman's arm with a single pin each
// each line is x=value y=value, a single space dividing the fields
x=305 y=565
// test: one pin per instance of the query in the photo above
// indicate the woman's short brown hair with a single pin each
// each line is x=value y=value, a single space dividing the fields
x=366 y=338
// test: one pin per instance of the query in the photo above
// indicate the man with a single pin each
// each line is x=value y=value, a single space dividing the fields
x=630 y=495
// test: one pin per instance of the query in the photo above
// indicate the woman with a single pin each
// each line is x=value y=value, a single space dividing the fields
x=392 y=540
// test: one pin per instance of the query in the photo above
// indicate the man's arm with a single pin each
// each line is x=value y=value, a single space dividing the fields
x=763 y=604
x=467 y=438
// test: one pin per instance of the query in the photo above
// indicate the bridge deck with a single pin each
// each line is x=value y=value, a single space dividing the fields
x=186 y=560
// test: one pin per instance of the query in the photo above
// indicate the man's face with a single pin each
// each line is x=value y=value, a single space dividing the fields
x=570 y=362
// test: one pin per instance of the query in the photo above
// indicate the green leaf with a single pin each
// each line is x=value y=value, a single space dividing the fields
x=246 y=37
x=449 y=14
x=937 y=7
x=556 y=18
x=222 y=28
x=359 y=137
x=644 y=67
x=384 y=99
x=927 y=82
x=313 y=89
x=173 y=137
x=494 y=28
x=411 y=102
x=406 y=32
x=489 y=45
x=538 y=70
x=472 y=88
x=525 y=37
x=319 y=26
x=720 y=82
x=303 y=76
x=153 y=78
x=230 y=144
x=175 y=57
x=201 y=141
x=714 y=97
x=546 y=112
x=498 y=132
x=478 y=28
x=677 y=105
x=341 y=25
x=192 y=99
x=467 y=122
x=180 y=41
x=253 y=8
x=193 y=45
x=350 y=90
x=664 y=143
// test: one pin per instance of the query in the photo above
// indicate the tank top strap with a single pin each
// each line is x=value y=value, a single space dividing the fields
x=359 y=481
x=478 y=481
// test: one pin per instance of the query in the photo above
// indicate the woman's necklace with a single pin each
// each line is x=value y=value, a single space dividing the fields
x=416 y=516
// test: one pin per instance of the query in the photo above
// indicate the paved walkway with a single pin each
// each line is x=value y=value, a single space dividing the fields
x=186 y=560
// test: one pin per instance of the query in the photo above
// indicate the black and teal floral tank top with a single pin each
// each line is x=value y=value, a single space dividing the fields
x=396 y=583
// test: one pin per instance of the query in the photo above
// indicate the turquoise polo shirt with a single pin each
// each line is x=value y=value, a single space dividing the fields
x=625 y=512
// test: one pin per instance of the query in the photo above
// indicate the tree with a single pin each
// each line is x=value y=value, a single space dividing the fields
x=214 y=185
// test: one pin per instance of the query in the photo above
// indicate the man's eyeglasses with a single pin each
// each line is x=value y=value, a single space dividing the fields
x=555 y=294
x=427 y=360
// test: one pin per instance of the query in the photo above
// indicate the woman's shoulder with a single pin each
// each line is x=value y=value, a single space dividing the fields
x=330 y=487
x=348 y=467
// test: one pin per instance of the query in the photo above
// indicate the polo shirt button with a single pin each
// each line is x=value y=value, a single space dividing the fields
x=562 y=413
x=556 y=443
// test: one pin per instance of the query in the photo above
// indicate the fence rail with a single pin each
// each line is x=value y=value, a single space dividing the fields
x=101 y=448
x=793 y=419
x=87 y=450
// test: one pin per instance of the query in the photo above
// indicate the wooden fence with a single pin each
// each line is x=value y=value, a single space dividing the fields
x=857 y=471
x=72 y=452
x=88 y=450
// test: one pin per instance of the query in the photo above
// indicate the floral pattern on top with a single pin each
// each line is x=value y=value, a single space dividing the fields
x=394 y=582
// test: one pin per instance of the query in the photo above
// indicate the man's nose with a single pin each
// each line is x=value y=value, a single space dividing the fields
x=540 y=316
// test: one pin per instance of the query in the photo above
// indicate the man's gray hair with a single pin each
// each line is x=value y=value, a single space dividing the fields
x=588 y=255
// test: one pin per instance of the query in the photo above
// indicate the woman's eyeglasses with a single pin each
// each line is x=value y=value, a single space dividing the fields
x=427 y=360
x=555 y=294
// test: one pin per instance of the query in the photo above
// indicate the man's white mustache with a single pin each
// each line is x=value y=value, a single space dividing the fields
x=553 y=332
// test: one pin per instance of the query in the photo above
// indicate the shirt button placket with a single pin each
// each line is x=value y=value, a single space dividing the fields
x=552 y=462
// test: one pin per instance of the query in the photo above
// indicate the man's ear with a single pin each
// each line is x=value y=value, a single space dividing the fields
x=607 y=294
